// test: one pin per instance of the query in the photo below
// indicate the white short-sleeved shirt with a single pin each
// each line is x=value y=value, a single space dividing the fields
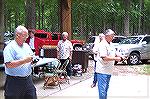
x=95 y=50
x=14 y=52
x=64 y=48
x=105 y=49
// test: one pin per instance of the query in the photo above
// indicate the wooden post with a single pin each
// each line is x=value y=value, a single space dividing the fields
x=65 y=16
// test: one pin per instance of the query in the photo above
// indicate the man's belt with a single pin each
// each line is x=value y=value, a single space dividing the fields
x=19 y=77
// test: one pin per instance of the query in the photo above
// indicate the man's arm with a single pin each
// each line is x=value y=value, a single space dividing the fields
x=17 y=63
x=109 y=58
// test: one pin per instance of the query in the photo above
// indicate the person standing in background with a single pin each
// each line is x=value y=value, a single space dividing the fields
x=95 y=51
x=64 y=52
x=36 y=44
x=18 y=60
x=105 y=63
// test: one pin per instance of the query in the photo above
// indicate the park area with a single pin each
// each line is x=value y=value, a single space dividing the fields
x=123 y=75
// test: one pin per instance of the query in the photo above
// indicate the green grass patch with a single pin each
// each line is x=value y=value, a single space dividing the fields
x=146 y=69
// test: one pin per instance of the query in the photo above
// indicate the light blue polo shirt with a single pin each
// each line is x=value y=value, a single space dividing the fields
x=14 y=52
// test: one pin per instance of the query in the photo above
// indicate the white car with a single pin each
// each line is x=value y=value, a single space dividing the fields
x=94 y=39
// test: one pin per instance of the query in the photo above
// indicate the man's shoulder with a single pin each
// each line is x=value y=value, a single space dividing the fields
x=68 y=41
x=10 y=45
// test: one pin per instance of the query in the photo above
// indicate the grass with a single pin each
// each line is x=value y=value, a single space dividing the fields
x=146 y=69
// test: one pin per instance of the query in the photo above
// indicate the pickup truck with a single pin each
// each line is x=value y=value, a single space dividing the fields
x=52 y=39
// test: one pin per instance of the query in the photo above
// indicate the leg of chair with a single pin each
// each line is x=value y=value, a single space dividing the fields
x=57 y=77
x=66 y=78
x=46 y=81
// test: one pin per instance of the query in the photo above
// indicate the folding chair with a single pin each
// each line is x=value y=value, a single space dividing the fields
x=51 y=75
x=61 y=71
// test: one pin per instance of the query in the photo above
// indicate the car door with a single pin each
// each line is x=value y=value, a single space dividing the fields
x=146 y=47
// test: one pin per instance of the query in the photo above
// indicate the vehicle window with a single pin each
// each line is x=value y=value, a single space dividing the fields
x=147 y=39
x=41 y=35
x=131 y=40
x=54 y=37
x=116 y=40
x=91 y=40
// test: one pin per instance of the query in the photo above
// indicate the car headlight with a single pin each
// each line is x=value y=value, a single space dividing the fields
x=122 y=52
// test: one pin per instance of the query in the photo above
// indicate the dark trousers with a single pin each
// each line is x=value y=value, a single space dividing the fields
x=95 y=78
x=68 y=68
x=95 y=75
x=19 y=88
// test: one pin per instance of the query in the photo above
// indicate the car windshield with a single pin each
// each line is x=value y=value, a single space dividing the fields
x=91 y=40
x=40 y=35
x=117 y=39
x=131 y=40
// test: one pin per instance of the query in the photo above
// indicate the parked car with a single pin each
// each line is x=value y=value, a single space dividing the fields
x=52 y=39
x=94 y=39
x=117 y=40
x=136 y=48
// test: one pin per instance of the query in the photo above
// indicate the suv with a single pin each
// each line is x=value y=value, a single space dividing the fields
x=136 y=48
x=93 y=39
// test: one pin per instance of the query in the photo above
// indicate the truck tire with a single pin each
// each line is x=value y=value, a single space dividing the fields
x=133 y=59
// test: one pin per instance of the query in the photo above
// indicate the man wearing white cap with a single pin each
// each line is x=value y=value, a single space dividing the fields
x=105 y=63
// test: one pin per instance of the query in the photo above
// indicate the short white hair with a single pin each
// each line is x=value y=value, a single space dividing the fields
x=64 y=33
x=101 y=35
x=109 y=32
x=20 y=29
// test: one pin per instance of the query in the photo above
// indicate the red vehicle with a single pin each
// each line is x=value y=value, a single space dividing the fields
x=52 y=39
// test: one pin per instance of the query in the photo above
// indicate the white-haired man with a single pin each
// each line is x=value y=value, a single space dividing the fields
x=105 y=63
x=18 y=59
x=64 y=52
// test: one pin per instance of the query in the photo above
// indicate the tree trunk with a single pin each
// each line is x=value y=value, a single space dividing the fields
x=39 y=14
x=142 y=17
x=139 y=24
x=30 y=14
x=42 y=14
x=65 y=16
x=1 y=24
x=126 y=17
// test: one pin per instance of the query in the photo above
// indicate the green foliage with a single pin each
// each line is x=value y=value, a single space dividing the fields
x=89 y=17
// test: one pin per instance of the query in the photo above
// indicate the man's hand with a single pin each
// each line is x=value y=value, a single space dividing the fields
x=118 y=59
x=28 y=59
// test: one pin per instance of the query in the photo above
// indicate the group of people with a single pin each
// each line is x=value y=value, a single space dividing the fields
x=18 y=59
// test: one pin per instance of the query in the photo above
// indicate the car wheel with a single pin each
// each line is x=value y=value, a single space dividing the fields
x=133 y=59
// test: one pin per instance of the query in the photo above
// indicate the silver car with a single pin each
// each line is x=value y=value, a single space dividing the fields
x=135 y=48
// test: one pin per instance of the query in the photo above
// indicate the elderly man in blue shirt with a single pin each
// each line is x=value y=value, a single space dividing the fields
x=18 y=60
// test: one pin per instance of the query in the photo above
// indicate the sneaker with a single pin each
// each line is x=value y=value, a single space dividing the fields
x=93 y=85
